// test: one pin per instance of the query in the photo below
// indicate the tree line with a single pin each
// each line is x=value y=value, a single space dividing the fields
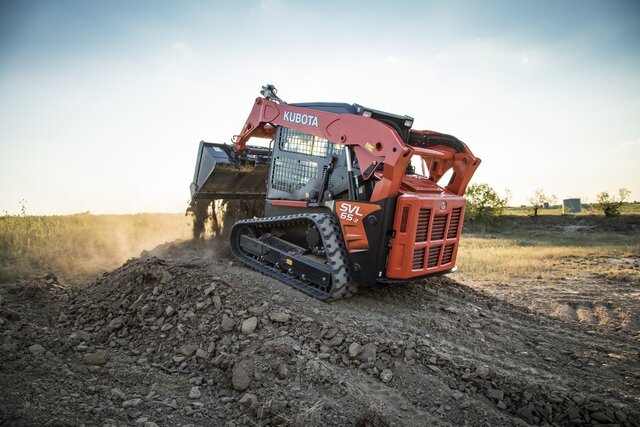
x=484 y=202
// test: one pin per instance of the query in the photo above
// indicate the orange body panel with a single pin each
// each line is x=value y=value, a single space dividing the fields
x=351 y=215
x=427 y=224
x=290 y=203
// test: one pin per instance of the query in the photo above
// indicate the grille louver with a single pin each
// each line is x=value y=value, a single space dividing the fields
x=423 y=225
x=418 y=259
x=439 y=225
x=447 y=254
x=454 y=223
x=434 y=254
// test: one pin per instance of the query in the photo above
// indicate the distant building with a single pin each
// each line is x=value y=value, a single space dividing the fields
x=571 y=206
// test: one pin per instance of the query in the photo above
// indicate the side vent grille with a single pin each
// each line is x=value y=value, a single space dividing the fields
x=418 y=259
x=439 y=226
x=447 y=254
x=453 y=224
x=423 y=225
x=434 y=253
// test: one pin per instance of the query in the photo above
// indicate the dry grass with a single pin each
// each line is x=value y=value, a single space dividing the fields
x=81 y=244
x=526 y=255
x=511 y=247
x=625 y=209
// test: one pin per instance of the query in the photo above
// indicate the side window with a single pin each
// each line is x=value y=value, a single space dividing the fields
x=299 y=164
x=294 y=141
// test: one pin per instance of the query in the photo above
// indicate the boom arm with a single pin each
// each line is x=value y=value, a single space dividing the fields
x=372 y=141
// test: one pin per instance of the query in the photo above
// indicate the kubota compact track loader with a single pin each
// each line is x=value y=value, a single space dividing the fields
x=343 y=195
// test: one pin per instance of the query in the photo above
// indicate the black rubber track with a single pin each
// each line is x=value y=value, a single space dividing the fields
x=335 y=252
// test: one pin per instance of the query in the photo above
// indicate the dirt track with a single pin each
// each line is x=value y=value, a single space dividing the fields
x=168 y=339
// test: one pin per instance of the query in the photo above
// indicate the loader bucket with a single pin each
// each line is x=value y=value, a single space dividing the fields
x=219 y=175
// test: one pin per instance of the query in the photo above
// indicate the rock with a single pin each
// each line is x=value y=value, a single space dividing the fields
x=227 y=323
x=168 y=311
x=482 y=371
x=495 y=393
x=249 y=325
x=116 y=392
x=82 y=335
x=166 y=277
x=195 y=393
x=100 y=357
x=573 y=413
x=283 y=371
x=330 y=333
x=131 y=403
x=138 y=302
x=166 y=327
x=188 y=349
x=336 y=340
x=259 y=310
x=248 y=400
x=368 y=354
x=37 y=349
x=501 y=405
x=456 y=395
x=8 y=349
x=279 y=317
x=145 y=309
x=621 y=416
x=241 y=375
x=526 y=413
x=355 y=349
x=602 y=417
x=150 y=424
x=386 y=375
x=410 y=354
x=217 y=302
x=115 y=324
x=452 y=309
x=202 y=354
x=435 y=369
x=283 y=346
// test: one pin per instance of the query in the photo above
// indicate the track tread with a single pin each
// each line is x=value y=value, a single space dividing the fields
x=335 y=251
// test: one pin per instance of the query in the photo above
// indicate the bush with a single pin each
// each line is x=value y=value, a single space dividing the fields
x=610 y=205
x=483 y=202
x=539 y=199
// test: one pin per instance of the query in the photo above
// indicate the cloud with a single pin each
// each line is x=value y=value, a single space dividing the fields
x=630 y=144
x=268 y=4
x=180 y=46
x=392 y=59
x=528 y=58
x=182 y=50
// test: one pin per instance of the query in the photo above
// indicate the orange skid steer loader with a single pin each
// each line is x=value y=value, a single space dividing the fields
x=342 y=195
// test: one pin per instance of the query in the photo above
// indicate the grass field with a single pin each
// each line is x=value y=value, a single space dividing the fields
x=81 y=244
x=511 y=246
x=625 y=209
x=525 y=247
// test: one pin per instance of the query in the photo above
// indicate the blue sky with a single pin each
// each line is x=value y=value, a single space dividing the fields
x=102 y=104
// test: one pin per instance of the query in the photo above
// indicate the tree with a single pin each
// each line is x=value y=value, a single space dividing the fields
x=483 y=202
x=610 y=205
x=539 y=199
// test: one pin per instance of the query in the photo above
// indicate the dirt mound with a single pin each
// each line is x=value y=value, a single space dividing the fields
x=184 y=337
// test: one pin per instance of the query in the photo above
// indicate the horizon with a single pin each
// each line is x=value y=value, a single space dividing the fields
x=103 y=105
